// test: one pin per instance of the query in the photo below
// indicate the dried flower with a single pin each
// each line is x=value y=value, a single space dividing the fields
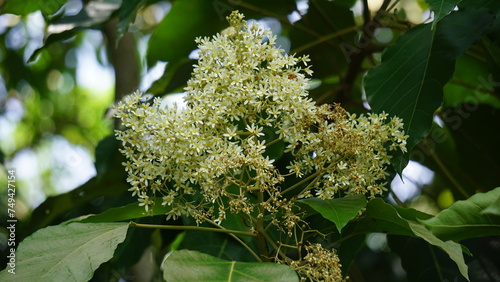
x=319 y=264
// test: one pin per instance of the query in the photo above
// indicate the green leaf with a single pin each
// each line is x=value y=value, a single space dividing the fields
x=128 y=212
x=57 y=253
x=465 y=219
x=93 y=16
x=494 y=208
x=126 y=14
x=382 y=217
x=185 y=265
x=174 y=37
x=26 y=7
x=454 y=250
x=441 y=8
x=409 y=81
x=339 y=211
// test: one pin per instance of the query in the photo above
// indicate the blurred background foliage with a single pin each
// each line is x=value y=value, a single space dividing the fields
x=64 y=63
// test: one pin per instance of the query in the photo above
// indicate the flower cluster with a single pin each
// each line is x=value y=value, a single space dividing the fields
x=347 y=153
x=319 y=264
x=244 y=97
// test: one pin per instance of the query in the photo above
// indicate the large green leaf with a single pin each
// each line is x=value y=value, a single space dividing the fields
x=453 y=249
x=409 y=81
x=93 y=16
x=127 y=14
x=382 y=217
x=340 y=211
x=441 y=8
x=494 y=208
x=174 y=37
x=23 y=8
x=185 y=265
x=128 y=212
x=464 y=219
x=66 y=252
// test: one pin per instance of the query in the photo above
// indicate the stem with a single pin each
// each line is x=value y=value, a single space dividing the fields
x=366 y=13
x=386 y=4
x=259 y=226
x=289 y=246
x=310 y=185
x=239 y=241
x=278 y=249
x=197 y=228
x=273 y=142
x=301 y=182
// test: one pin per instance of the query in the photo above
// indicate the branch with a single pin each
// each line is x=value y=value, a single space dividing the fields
x=197 y=228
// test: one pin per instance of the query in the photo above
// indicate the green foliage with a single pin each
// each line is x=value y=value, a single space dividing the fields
x=467 y=219
x=128 y=212
x=386 y=218
x=74 y=250
x=93 y=15
x=409 y=82
x=26 y=7
x=441 y=8
x=126 y=16
x=170 y=43
x=453 y=249
x=339 y=211
x=187 y=265
x=382 y=217
x=494 y=208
